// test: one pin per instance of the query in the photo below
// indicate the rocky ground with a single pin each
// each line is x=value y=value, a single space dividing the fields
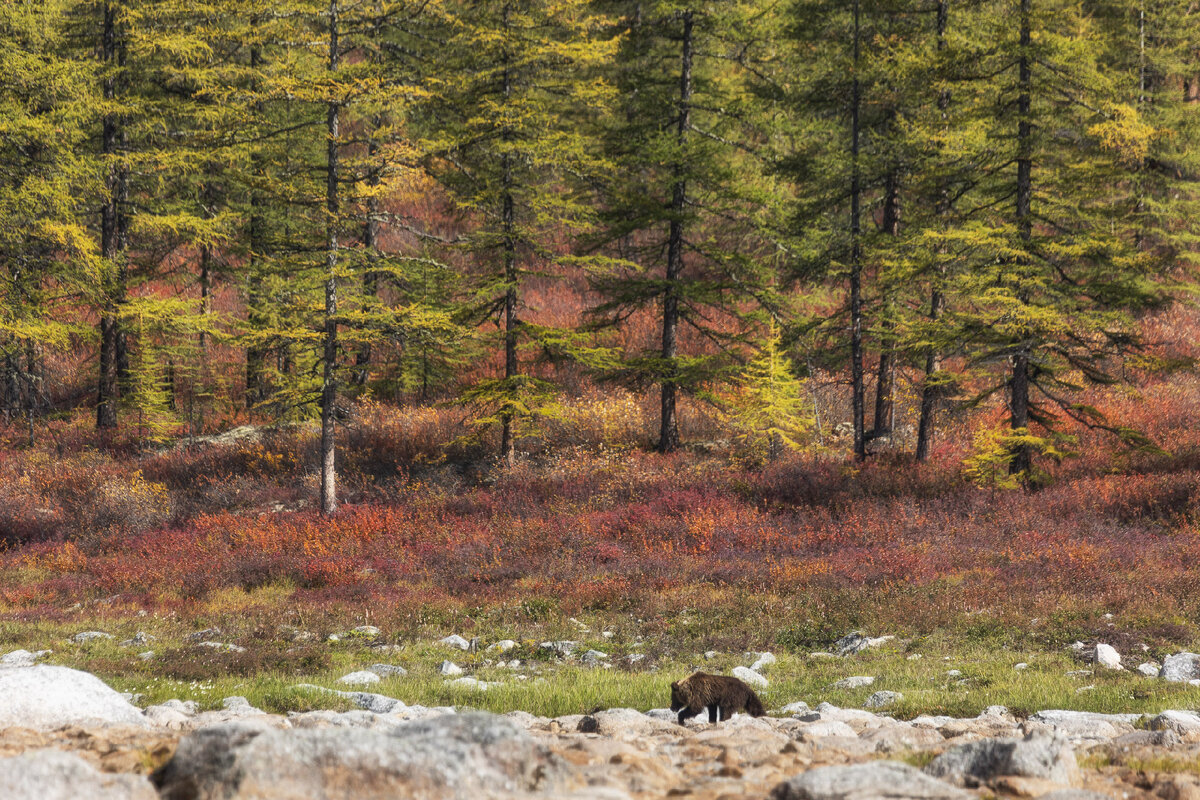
x=66 y=734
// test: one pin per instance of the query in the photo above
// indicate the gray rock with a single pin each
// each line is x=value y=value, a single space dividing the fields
x=853 y=682
x=709 y=655
x=22 y=658
x=229 y=648
x=798 y=707
x=851 y=643
x=465 y=756
x=1181 y=722
x=450 y=669
x=388 y=670
x=204 y=635
x=634 y=658
x=90 y=636
x=1087 y=725
x=45 y=697
x=1045 y=757
x=138 y=640
x=1181 y=668
x=1149 y=668
x=502 y=646
x=882 y=699
x=145 y=656
x=627 y=723
x=364 y=630
x=189 y=707
x=750 y=677
x=455 y=641
x=55 y=775
x=360 y=678
x=1020 y=666
x=1074 y=794
x=889 y=780
x=1159 y=738
x=1107 y=656
x=368 y=701
x=825 y=728
x=594 y=658
x=563 y=647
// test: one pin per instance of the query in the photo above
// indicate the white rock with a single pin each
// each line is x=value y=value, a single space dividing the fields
x=798 y=707
x=22 y=658
x=1149 y=669
x=608 y=634
x=365 y=630
x=90 y=636
x=360 y=678
x=456 y=641
x=563 y=647
x=1182 y=722
x=45 y=697
x=1107 y=656
x=750 y=677
x=146 y=656
x=709 y=655
x=593 y=658
x=853 y=682
x=1020 y=666
x=231 y=648
x=502 y=646
x=953 y=673
x=450 y=669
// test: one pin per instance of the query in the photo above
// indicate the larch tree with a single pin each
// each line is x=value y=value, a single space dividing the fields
x=505 y=136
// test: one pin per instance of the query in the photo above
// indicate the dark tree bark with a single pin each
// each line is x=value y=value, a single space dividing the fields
x=329 y=501
x=668 y=436
x=933 y=358
x=1019 y=384
x=255 y=354
x=856 y=343
x=508 y=444
x=886 y=377
x=106 y=386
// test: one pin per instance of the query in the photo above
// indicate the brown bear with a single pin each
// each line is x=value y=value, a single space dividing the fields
x=694 y=693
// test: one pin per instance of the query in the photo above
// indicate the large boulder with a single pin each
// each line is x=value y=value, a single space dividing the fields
x=1087 y=726
x=55 y=775
x=463 y=756
x=889 y=780
x=1045 y=757
x=45 y=697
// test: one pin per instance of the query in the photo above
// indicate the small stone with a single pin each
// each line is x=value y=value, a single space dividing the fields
x=333 y=637
x=450 y=669
x=231 y=648
x=360 y=678
x=750 y=677
x=90 y=636
x=200 y=636
x=915 y=657
x=798 y=707
x=593 y=658
x=22 y=658
x=365 y=630
x=882 y=699
x=563 y=647
x=1089 y=688
x=388 y=670
x=821 y=654
x=1020 y=666
x=634 y=658
x=709 y=655
x=853 y=682
x=502 y=646
x=1149 y=669
x=146 y=655
x=455 y=641
x=953 y=673
x=608 y=634
x=139 y=638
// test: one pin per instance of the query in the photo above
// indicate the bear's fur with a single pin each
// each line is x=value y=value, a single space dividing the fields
x=717 y=693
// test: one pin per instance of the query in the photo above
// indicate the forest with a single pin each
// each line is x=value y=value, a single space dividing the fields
x=838 y=227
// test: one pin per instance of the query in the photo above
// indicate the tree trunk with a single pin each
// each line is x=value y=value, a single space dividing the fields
x=886 y=378
x=255 y=353
x=106 y=386
x=329 y=383
x=668 y=435
x=1019 y=383
x=856 y=344
x=508 y=444
x=370 y=244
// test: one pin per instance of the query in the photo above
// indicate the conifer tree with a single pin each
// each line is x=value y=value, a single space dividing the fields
x=504 y=129
x=687 y=199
